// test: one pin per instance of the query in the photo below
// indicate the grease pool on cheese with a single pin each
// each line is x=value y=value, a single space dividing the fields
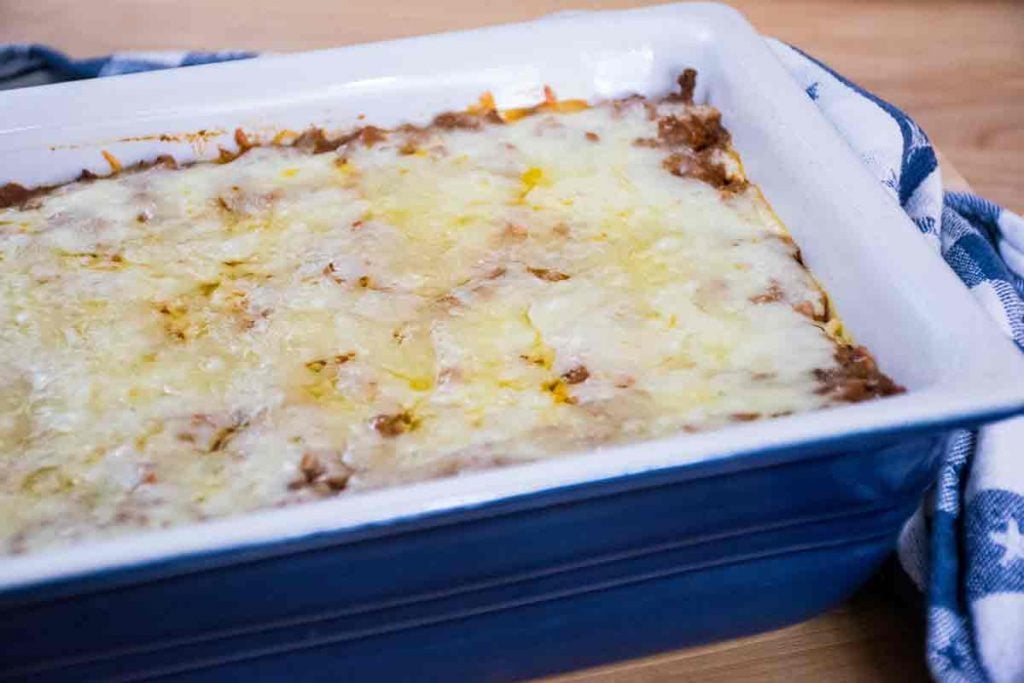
x=315 y=319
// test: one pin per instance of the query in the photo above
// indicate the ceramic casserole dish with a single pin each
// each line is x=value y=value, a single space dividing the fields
x=516 y=572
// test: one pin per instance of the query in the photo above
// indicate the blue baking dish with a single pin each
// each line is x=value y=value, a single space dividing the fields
x=517 y=588
x=517 y=572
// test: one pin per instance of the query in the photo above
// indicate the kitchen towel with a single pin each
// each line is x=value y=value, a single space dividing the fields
x=965 y=547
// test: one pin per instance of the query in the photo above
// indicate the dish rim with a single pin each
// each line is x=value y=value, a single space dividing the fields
x=968 y=394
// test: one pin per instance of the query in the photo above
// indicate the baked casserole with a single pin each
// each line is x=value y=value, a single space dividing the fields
x=321 y=314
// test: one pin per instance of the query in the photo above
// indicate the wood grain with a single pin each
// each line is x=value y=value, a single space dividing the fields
x=957 y=67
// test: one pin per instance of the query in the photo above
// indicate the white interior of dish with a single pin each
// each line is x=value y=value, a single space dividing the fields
x=893 y=292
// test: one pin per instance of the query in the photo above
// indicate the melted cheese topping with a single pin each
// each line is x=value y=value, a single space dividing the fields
x=183 y=344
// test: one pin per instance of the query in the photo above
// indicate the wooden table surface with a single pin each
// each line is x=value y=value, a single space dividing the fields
x=957 y=67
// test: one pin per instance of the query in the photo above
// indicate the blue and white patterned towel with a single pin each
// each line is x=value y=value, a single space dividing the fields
x=965 y=547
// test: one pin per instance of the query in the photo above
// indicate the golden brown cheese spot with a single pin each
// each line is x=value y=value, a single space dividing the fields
x=242 y=140
x=548 y=275
x=464 y=120
x=539 y=359
x=576 y=375
x=559 y=391
x=338 y=482
x=371 y=135
x=176 y=323
x=330 y=271
x=773 y=294
x=315 y=141
x=225 y=434
x=322 y=473
x=805 y=308
x=311 y=467
x=395 y=424
x=211 y=433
